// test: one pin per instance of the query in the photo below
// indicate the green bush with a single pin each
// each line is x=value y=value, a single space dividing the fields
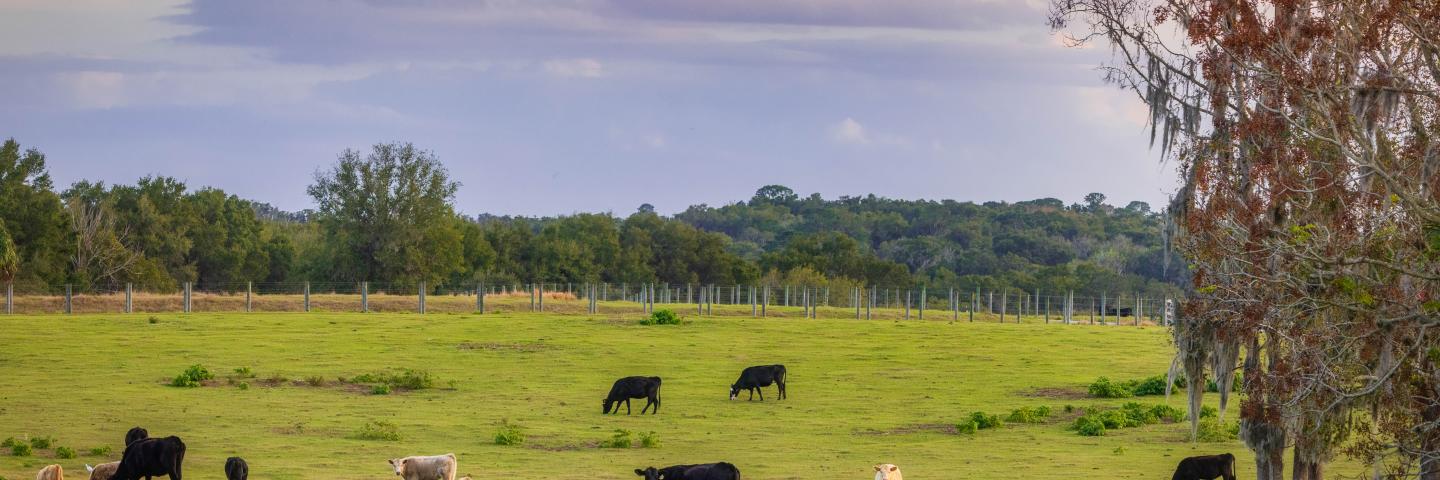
x=967 y=427
x=985 y=421
x=1212 y=431
x=406 y=379
x=509 y=434
x=381 y=389
x=99 y=451
x=244 y=372
x=661 y=317
x=1029 y=415
x=9 y=442
x=1150 y=386
x=65 y=452
x=243 y=386
x=1208 y=412
x=42 y=443
x=192 y=377
x=1089 y=426
x=378 y=430
x=621 y=439
x=1104 y=388
x=649 y=440
x=20 y=449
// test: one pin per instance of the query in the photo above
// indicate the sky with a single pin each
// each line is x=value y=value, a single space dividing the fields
x=555 y=107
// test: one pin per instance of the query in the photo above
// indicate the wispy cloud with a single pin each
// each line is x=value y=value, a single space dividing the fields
x=578 y=67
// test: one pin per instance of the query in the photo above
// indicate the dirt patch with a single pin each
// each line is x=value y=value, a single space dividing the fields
x=566 y=447
x=528 y=347
x=1062 y=393
x=944 y=428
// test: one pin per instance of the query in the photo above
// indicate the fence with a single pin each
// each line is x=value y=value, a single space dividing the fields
x=601 y=298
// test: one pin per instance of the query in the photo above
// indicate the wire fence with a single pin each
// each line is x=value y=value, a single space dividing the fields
x=600 y=299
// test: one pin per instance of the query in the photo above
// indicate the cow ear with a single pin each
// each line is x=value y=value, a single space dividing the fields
x=877 y=468
x=639 y=472
x=893 y=468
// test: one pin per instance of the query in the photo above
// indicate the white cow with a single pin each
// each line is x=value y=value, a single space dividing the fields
x=436 y=467
x=886 y=471
x=102 y=471
x=51 y=472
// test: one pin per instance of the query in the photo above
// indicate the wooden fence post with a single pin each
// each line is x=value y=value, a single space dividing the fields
x=129 y=298
x=67 y=299
x=364 y=297
x=480 y=298
x=249 y=287
x=9 y=298
x=907 y=304
x=421 y=304
x=307 y=297
x=924 y=295
x=187 y=298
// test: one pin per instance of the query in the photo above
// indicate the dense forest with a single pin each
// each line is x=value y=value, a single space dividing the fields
x=388 y=215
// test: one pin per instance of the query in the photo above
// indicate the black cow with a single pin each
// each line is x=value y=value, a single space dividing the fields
x=754 y=378
x=1208 y=467
x=134 y=434
x=708 y=471
x=151 y=457
x=236 y=469
x=634 y=387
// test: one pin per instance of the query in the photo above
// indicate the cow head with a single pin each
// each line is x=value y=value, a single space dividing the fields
x=606 y=403
x=734 y=391
x=886 y=471
x=399 y=465
x=649 y=473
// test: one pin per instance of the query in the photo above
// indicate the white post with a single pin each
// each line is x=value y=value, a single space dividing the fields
x=129 y=294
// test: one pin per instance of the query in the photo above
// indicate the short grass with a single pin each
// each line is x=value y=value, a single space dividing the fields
x=861 y=393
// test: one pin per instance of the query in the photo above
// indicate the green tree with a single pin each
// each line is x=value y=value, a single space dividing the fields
x=33 y=215
x=9 y=259
x=387 y=215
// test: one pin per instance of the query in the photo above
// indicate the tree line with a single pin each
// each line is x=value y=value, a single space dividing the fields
x=388 y=215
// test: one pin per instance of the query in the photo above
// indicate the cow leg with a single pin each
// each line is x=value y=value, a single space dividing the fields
x=657 y=404
x=648 y=403
x=752 y=394
x=627 y=406
x=762 y=394
x=782 y=391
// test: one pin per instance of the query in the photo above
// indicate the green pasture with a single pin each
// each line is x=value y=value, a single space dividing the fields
x=861 y=393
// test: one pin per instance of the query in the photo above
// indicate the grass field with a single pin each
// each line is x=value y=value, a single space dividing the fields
x=861 y=392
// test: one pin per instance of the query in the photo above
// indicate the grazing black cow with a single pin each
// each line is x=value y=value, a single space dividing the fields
x=634 y=387
x=754 y=378
x=1208 y=467
x=134 y=434
x=151 y=457
x=236 y=469
x=708 y=471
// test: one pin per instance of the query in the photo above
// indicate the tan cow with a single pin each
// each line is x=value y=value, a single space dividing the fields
x=437 y=467
x=102 y=471
x=887 y=471
x=52 y=472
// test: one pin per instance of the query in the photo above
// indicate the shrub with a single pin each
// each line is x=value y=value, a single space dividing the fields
x=154 y=320
x=9 y=442
x=649 y=440
x=1212 y=431
x=1208 y=412
x=378 y=430
x=315 y=381
x=41 y=443
x=985 y=421
x=381 y=389
x=661 y=317
x=20 y=449
x=509 y=434
x=621 y=439
x=1069 y=408
x=1089 y=426
x=243 y=386
x=406 y=379
x=1029 y=415
x=1150 y=386
x=192 y=377
x=967 y=427
x=65 y=452
x=99 y=451
x=1104 y=388
x=244 y=372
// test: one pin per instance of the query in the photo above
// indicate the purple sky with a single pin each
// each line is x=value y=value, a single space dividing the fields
x=552 y=107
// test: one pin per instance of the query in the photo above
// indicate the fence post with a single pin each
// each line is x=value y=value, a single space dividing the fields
x=364 y=297
x=129 y=295
x=870 y=303
x=421 y=305
x=1004 y=300
x=907 y=304
x=765 y=301
x=1047 y=309
x=974 y=304
x=307 y=297
x=924 y=296
x=1103 y=307
x=9 y=298
x=480 y=298
x=699 y=303
x=67 y=298
x=249 y=286
x=954 y=306
x=754 y=309
x=1138 y=311
x=186 y=301
x=542 y=296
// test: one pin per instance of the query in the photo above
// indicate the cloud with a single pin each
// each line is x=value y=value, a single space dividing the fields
x=579 y=67
x=851 y=132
